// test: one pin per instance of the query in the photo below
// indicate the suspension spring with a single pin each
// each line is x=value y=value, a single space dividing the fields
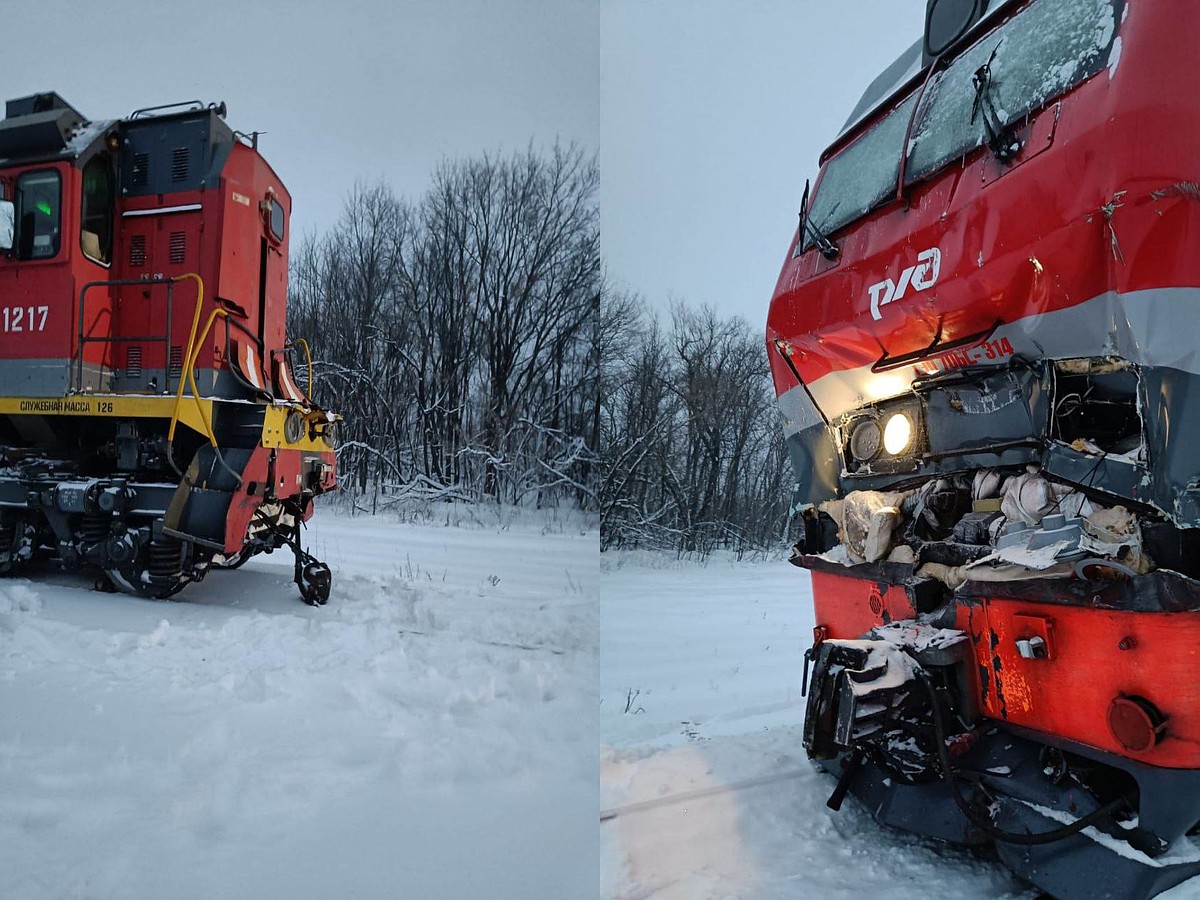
x=165 y=558
x=94 y=529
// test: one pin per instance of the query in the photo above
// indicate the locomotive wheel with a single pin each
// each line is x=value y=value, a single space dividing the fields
x=131 y=581
x=159 y=573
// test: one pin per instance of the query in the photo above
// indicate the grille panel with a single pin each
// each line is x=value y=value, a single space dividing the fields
x=141 y=168
x=133 y=361
x=137 y=250
x=178 y=247
x=179 y=164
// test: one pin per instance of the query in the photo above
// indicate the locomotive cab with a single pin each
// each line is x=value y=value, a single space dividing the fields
x=150 y=421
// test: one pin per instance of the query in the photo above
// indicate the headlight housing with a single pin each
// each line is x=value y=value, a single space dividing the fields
x=884 y=439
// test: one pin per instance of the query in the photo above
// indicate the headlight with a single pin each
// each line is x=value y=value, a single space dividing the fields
x=897 y=434
x=865 y=440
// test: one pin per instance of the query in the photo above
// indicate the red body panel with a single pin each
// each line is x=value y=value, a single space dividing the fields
x=52 y=285
x=850 y=607
x=1098 y=655
x=1069 y=693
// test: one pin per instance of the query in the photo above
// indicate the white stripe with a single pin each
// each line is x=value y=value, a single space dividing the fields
x=159 y=210
x=1149 y=328
x=289 y=386
x=249 y=368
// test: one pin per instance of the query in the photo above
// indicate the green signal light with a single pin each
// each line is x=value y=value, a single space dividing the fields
x=44 y=208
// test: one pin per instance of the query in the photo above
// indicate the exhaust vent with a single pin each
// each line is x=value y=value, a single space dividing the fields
x=178 y=247
x=137 y=250
x=133 y=362
x=179 y=164
x=141 y=168
x=175 y=366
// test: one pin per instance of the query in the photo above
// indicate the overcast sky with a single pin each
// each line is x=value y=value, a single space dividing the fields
x=708 y=115
x=343 y=89
x=712 y=115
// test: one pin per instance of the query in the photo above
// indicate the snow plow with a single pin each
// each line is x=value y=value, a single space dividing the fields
x=150 y=425
x=983 y=342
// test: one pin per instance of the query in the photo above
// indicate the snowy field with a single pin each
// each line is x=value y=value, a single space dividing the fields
x=705 y=789
x=431 y=733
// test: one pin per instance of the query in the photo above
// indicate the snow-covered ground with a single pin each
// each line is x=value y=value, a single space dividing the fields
x=705 y=787
x=431 y=733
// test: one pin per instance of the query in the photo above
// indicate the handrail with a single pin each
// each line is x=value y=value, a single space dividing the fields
x=164 y=339
x=189 y=374
x=308 y=356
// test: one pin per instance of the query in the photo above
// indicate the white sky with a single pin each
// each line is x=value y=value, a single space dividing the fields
x=345 y=89
x=712 y=115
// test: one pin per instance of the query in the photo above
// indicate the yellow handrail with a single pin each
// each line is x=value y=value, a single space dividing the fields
x=189 y=358
x=308 y=356
x=188 y=355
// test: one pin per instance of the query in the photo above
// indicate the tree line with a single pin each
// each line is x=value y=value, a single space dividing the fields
x=692 y=455
x=458 y=333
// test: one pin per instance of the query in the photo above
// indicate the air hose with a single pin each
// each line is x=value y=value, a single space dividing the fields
x=985 y=824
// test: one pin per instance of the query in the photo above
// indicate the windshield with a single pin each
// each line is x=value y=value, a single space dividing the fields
x=862 y=175
x=1044 y=50
x=1040 y=53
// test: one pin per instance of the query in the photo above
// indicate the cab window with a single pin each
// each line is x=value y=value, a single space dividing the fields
x=39 y=214
x=862 y=176
x=96 y=216
x=1042 y=52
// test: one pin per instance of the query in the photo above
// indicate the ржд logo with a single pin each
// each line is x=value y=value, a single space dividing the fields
x=919 y=276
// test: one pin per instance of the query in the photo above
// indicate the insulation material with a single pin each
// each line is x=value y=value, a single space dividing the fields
x=951 y=576
x=986 y=484
x=879 y=533
x=1115 y=526
x=865 y=521
x=1028 y=498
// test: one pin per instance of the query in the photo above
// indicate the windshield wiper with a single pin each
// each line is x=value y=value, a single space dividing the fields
x=1000 y=140
x=827 y=248
x=937 y=345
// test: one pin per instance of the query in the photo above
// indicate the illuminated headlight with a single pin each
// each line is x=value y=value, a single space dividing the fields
x=897 y=434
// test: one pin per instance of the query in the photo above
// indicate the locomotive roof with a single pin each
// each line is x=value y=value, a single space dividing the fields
x=45 y=127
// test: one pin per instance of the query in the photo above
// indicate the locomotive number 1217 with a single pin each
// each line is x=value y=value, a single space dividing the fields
x=23 y=318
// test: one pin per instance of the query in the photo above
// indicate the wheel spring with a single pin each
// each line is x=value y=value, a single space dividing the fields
x=165 y=558
x=94 y=529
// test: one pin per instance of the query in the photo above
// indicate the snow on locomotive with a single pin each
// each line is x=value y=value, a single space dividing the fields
x=984 y=342
x=150 y=424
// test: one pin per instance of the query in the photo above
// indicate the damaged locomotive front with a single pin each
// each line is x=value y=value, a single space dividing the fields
x=981 y=342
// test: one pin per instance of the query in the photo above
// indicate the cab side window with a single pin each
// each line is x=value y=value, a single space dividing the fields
x=96 y=216
x=39 y=214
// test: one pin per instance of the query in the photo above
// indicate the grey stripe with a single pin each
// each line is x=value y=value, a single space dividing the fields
x=797 y=410
x=54 y=378
x=1150 y=328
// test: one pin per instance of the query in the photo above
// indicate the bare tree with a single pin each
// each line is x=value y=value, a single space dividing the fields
x=692 y=455
x=456 y=334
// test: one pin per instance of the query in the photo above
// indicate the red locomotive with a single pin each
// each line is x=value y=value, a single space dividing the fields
x=983 y=348
x=150 y=424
